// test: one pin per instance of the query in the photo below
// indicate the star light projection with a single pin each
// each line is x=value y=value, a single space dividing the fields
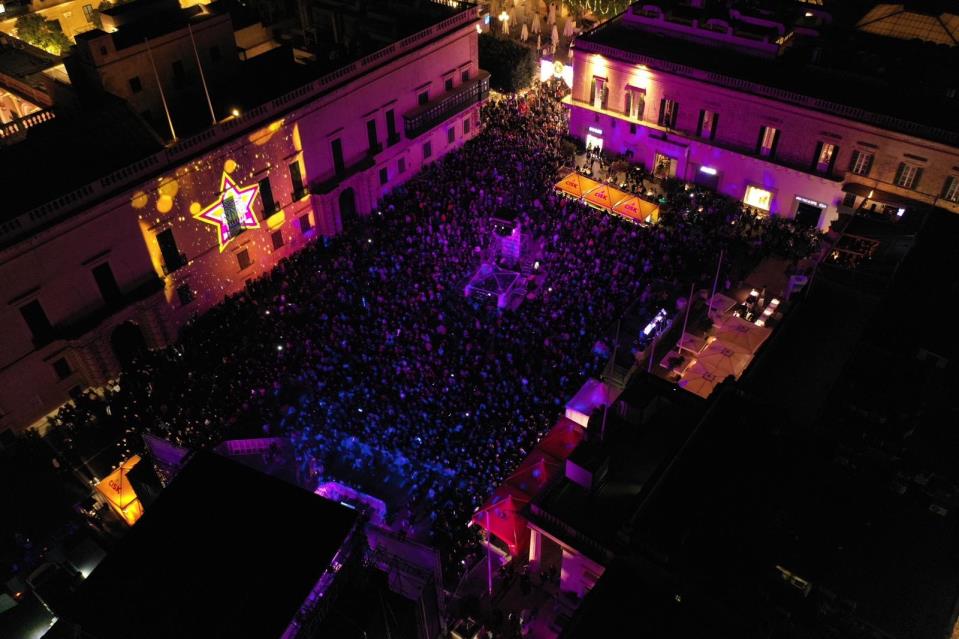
x=233 y=212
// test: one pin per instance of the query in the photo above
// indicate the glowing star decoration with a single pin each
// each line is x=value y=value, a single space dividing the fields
x=233 y=212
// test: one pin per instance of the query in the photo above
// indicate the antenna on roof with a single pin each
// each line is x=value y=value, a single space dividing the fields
x=156 y=75
x=199 y=66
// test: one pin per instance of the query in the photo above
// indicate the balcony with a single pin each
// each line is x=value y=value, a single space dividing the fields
x=425 y=117
x=323 y=187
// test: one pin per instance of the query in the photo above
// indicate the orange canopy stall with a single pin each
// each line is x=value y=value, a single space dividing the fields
x=605 y=197
x=119 y=493
x=575 y=185
x=638 y=209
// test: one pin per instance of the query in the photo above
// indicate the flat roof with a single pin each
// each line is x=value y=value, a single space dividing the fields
x=852 y=68
x=225 y=551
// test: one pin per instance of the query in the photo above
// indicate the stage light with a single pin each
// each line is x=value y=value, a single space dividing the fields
x=235 y=113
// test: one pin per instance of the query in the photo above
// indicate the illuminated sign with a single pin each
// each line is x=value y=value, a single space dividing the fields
x=708 y=170
x=593 y=129
x=760 y=198
x=805 y=200
x=232 y=212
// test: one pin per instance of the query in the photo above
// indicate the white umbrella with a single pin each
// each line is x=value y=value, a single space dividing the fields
x=722 y=360
x=505 y=27
x=555 y=37
x=539 y=44
x=551 y=17
x=524 y=34
x=536 y=26
x=697 y=379
x=570 y=28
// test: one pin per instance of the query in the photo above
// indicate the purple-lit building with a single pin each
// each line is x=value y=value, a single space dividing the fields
x=793 y=111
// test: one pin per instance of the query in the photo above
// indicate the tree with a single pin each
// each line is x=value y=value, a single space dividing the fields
x=42 y=33
x=512 y=66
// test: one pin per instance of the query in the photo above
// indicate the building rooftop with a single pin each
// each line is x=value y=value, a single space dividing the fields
x=225 y=551
x=63 y=147
x=639 y=440
x=833 y=62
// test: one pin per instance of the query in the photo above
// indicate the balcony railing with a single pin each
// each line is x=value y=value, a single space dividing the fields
x=326 y=186
x=425 y=117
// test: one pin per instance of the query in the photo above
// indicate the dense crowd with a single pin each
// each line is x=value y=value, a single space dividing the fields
x=364 y=351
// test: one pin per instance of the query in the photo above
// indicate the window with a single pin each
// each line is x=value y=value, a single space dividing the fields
x=62 y=368
x=88 y=13
x=668 y=113
x=277 y=237
x=371 y=136
x=36 y=319
x=451 y=135
x=950 y=190
x=427 y=150
x=214 y=54
x=598 y=93
x=825 y=157
x=107 y=283
x=466 y=126
x=423 y=97
x=465 y=75
x=384 y=175
x=392 y=137
x=172 y=258
x=707 y=124
x=305 y=224
x=179 y=75
x=266 y=195
x=908 y=176
x=768 y=140
x=861 y=162
x=336 y=148
x=296 y=178
x=243 y=259
x=135 y=85
x=184 y=293
x=635 y=103
x=632 y=128
x=401 y=165
x=449 y=83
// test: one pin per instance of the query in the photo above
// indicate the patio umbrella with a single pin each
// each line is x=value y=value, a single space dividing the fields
x=722 y=360
x=740 y=334
x=698 y=380
x=570 y=28
x=551 y=16
x=555 y=38
x=536 y=25
x=524 y=34
x=539 y=44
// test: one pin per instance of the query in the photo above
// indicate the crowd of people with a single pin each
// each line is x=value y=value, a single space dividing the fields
x=365 y=352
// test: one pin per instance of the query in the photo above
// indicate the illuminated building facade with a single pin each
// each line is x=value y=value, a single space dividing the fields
x=791 y=113
x=92 y=269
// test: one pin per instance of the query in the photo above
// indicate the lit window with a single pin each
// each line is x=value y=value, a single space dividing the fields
x=598 y=93
x=635 y=103
x=707 y=124
x=758 y=198
x=908 y=176
x=861 y=162
x=825 y=157
x=768 y=139
x=668 y=113
x=950 y=190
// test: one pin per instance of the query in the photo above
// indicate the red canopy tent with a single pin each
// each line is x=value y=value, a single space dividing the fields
x=502 y=516
x=534 y=473
x=562 y=438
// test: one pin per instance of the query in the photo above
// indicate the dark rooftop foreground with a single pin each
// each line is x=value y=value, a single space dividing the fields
x=224 y=552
